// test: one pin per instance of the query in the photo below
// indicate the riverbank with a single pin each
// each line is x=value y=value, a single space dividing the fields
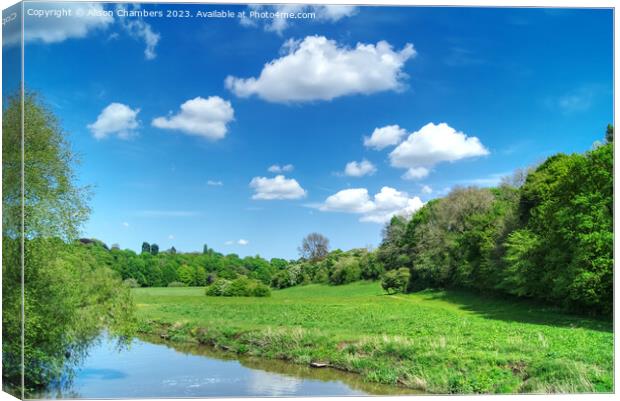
x=438 y=342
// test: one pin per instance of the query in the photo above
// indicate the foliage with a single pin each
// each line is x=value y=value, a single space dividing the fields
x=240 y=287
x=68 y=295
x=131 y=283
x=394 y=281
x=546 y=233
x=345 y=271
x=176 y=284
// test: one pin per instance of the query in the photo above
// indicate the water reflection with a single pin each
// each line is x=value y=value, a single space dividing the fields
x=150 y=368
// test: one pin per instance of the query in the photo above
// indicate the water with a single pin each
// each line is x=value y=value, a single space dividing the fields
x=155 y=369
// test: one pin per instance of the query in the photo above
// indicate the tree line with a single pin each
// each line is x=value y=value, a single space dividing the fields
x=546 y=234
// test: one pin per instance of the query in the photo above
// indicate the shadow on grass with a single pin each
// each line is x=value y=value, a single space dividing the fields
x=512 y=309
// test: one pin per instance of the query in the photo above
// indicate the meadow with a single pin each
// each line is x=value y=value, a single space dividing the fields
x=433 y=341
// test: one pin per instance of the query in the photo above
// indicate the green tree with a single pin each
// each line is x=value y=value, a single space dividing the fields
x=69 y=297
x=154 y=249
x=146 y=247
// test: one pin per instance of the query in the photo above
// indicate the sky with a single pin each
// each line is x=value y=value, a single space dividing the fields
x=247 y=134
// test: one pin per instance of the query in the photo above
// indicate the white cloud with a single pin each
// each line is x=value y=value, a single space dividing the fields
x=138 y=29
x=214 y=183
x=125 y=224
x=431 y=145
x=278 y=188
x=116 y=119
x=383 y=137
x=54 y=30
x=317 y=68
x=427 y=190
x=207 y=118
x=322 y=13
x=243 y=242
x=416 y=173
x=359 y=169
x=385 y=204
x=353 y=200
x=281 y=169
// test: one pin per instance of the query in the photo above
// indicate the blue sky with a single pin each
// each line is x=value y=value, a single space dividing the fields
x=457 y=96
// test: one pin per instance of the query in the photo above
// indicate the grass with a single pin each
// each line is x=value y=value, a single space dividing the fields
x=434 y=341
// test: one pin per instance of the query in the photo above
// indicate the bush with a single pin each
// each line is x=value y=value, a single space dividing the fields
x=346 y=270
x=395 y=281
x=131 y=283
x=177 y=284
x=219 y=288
x=240 y=287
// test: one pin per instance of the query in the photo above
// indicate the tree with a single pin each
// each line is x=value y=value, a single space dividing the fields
x=314 y=247
x=609 y=133
x=69 y=296
x=205 y=249
x=154 y=249
x=173 y=250
x=146 y=247
x=395 y=281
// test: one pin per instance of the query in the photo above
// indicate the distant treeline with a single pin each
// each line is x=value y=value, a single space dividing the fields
x=547 y=234
x=152 y=268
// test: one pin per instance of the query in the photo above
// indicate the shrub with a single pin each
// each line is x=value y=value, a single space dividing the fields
x=219 y=288
x=131 y=283
x=177 y=284
x=240 y=287
x=346 y=270
x=395 y=281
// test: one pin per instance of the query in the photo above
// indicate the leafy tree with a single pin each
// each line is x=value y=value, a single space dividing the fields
x=346 y=270
x=154 y=249
x=314 y=247
x=146 y=247
x=395 y=281
x=69 y=296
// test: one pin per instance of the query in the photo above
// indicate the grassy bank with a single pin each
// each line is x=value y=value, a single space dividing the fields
x=441 y=342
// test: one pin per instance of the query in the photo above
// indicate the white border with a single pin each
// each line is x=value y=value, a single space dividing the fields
x=476 y=3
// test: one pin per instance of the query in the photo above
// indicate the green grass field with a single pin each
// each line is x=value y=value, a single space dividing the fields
x=440 y=342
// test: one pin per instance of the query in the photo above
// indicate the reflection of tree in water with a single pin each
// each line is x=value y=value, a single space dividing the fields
x=62 y=386
x=293 y=371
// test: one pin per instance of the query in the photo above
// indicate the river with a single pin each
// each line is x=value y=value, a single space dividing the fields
x=155 y=369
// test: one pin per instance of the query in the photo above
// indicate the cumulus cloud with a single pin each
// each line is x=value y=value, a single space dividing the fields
x=427 y=190
x=383 y=137
x=281 y=169
x=431 y=145
x=243 y=242
x=116 y=119
x=384 y=205
x=359 y=169
x=322 y=13
x=317 y=68
x=207 y=118
x=416 y=173
x=276 y=188
x=55 y=30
